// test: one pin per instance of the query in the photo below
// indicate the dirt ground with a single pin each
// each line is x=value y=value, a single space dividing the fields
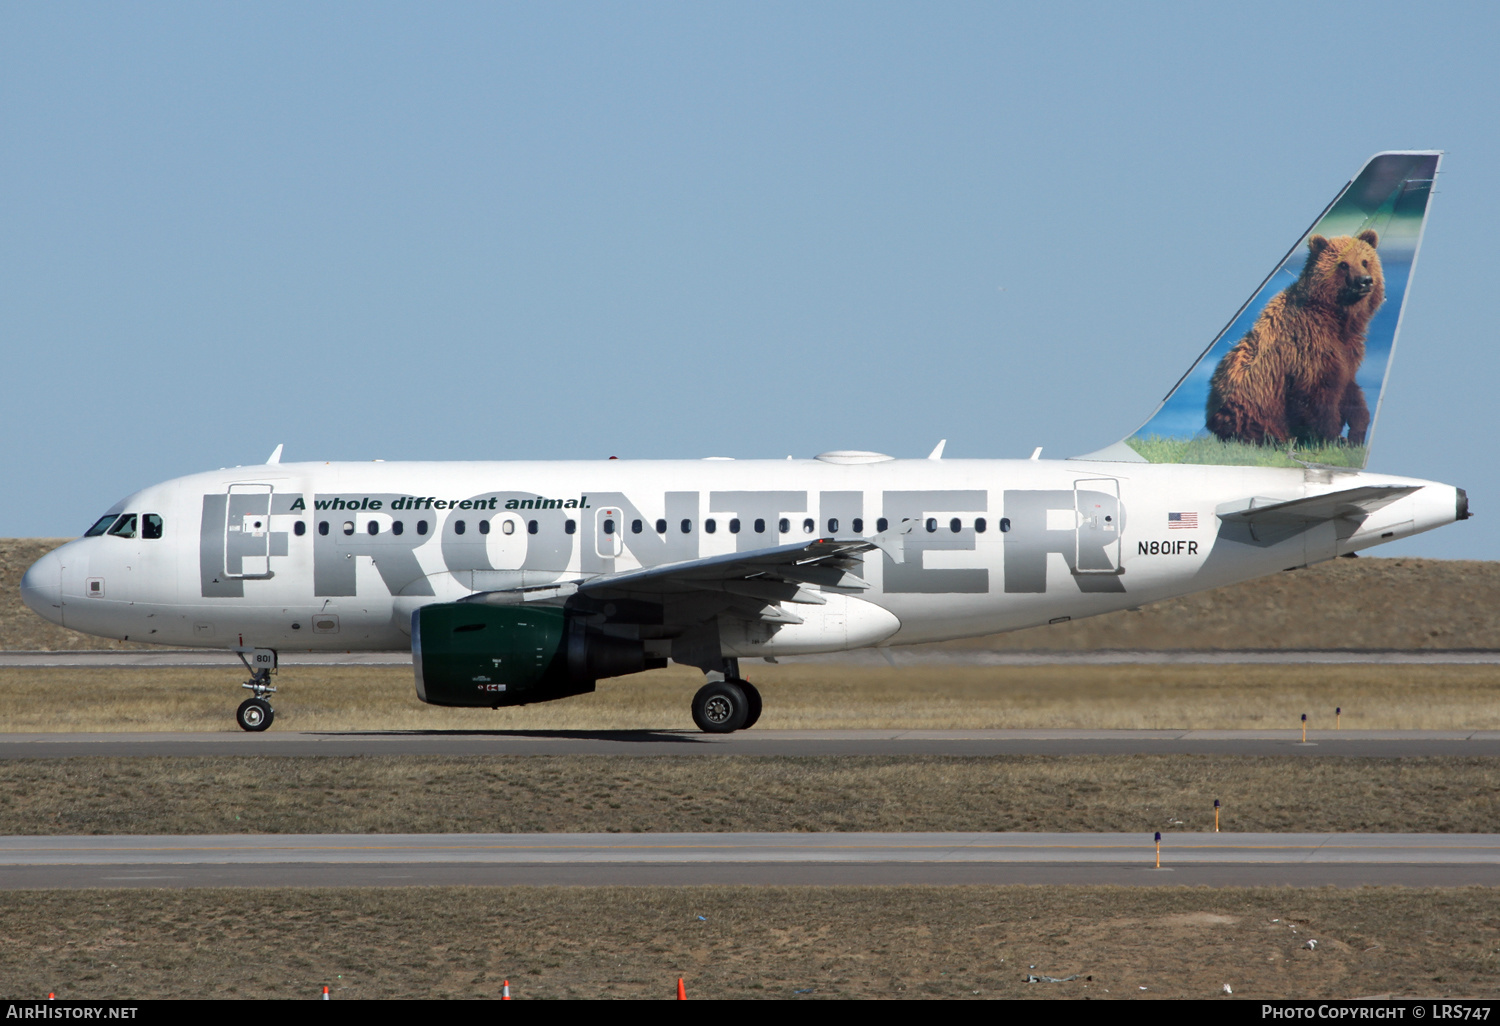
x=797 y=696
x=767 y=942
x=535 y=794
x=1345 y=603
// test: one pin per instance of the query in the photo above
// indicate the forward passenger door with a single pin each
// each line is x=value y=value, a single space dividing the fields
x=247 y=531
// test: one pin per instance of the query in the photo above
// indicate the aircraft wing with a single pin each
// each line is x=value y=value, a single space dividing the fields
x=750 y=584
x=1351 y=502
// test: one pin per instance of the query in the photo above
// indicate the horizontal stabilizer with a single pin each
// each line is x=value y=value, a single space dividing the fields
x=1349 y=503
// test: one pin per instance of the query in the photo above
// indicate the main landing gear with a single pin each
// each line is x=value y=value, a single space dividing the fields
x=255 y=714
x=726 y=703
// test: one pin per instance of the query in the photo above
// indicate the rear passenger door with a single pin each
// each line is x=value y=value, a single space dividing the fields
x=1096 y=500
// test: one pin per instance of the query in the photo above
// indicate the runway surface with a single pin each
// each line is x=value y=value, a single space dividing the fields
x=831 y=858
x=1288 y=743
x=212 y=659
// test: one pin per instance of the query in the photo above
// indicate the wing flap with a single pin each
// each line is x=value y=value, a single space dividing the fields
x=828 y=558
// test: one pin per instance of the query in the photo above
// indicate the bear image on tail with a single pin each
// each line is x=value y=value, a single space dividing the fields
x=1291 y=378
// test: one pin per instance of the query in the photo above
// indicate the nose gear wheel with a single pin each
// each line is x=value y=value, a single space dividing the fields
x=255 y=714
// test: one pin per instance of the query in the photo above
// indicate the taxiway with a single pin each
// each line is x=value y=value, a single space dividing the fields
x=1321 y=743
x=796 y=858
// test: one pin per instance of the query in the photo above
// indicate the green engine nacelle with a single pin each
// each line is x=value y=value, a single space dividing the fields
x=472 y=654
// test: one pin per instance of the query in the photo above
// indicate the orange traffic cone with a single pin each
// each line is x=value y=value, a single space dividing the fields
x=681 y=990
x=325 y=992
x=505 y=991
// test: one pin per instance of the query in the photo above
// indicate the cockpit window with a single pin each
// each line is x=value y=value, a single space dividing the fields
x=151 y=525
x=124 y=527
x=101 y=525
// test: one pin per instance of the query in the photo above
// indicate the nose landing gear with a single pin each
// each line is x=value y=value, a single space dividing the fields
x=255 y=714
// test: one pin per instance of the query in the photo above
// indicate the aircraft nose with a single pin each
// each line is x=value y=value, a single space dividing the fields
x=41 y=587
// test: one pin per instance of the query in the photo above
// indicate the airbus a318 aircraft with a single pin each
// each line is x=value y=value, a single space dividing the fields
x=518 y=582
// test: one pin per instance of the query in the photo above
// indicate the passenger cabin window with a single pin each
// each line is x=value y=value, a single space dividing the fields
x=931 y=524
x=661 y=527
x=348 y=527
x=571 y=526
x=882 y=524
x=833 y=525
x=734 y=526
x=124 y=527
x=636 y=527
x=955 y=525
x=980 y=525
x=687 y=527
x=373 y=527
x=421 y=527
x=807 y=526
x=151 y=526
x=609 y=525
x=711 y=525
x=101 y=525
x=531 y=526
x=783 y=525
x=858 y=525
x=322 y=527
x=760 y=526
x=484 y=527
x=1004 y=524
x=458 y=527
x=397 y=527
x=299 y=529
x=508 y=527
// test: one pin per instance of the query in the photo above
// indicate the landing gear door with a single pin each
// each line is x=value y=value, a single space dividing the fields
x=247 y=531
x=1097 y=543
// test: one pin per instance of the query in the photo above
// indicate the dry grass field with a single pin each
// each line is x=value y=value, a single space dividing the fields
x=1346 y=603
x=571 y=794
x=797 y=696
x=764 y=942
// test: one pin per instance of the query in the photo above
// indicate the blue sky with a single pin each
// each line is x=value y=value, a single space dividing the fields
x=656 y=230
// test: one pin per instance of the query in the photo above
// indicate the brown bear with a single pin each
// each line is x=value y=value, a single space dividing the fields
x=1291 y=378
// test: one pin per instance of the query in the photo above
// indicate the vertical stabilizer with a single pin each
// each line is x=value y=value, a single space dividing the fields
x=1298 y=373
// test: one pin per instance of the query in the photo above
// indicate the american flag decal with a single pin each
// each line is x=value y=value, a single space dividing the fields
x=1182 y=521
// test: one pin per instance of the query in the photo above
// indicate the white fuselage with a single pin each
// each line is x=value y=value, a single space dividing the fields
x=335 y=556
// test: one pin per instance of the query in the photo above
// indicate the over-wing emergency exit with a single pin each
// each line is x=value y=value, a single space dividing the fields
x=519 y=582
